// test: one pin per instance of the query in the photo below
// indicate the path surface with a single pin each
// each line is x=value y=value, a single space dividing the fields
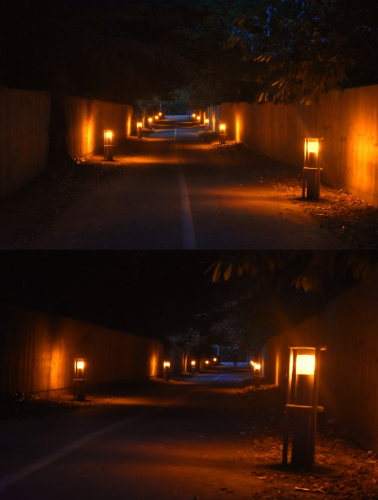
x=204 y=438
x=176 y=194
x=174 y=447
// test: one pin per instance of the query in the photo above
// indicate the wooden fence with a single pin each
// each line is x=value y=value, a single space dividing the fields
x=37 y=353
x=24 y=131
x=347 y=121
x=24 y=137
x=349 y=366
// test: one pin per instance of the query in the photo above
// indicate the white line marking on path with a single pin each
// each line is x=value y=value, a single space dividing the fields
x=16 y=476
x=188 y=234
x=45 y=461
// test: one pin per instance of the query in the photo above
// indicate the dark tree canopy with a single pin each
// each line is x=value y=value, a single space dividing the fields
x=224 y=50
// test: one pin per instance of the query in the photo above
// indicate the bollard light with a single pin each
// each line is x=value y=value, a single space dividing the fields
x=79 y=379
x=139 y=130
x=302 y=405
x=215 y=360
x=207 y=124
x=198 y=118
x=156 y=117
x=256 y=370
x=222 y=133
x=150 y=123
x=305 y=364
x=193 y=365
x=207 y=362
x=166 y=367
x=311 y=168
x=160 y=114
x=108 y=145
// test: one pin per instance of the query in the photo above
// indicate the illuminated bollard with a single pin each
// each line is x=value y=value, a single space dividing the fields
x=150 y=123
x=166 y=372
x=79 y=379
x=207 y=364
x=207 y=124
x=257 y=374
x=311 y=168
x=139 y=130
x=222 y=133
x=108 y=145
x=193 y=367
x=302 y=397
x=215 y=361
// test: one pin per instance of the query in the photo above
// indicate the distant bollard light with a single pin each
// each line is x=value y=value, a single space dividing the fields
x=166 y=368
x=79 y=379
x=139 y=130
x=198 y=118
x=215 y=360
x=302 y=403
x=311 y=168
x=160 y=114
x=222 y=133
x=207 y=123
x=150 y=123
x=156 y=117
x=193 y=365
x=108 y=145
x=194 y=115
x=207 y=363
x=256 y=373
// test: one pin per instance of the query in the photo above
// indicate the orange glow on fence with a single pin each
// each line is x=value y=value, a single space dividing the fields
x=128 y=126
x=305 y=364
x=237 y=130
x=153 y=366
